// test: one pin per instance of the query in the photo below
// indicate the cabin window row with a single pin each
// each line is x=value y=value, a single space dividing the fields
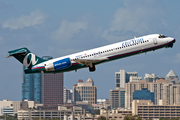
x=111 y=50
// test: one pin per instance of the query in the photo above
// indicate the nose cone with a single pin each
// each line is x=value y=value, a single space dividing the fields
x=170 y=44
x=174 y=40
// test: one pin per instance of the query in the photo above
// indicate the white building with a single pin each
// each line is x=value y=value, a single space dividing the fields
x=115 y=114
x=49 y=114
x=150 y=77
x=67 y=95
x=12 y=107
x=16 y=105
x=147 y=110
x=135 y=78
x=122 y=77
x=6 y=110
x=101 y=101
x=85 y=91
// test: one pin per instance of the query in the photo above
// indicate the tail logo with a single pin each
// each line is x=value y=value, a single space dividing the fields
x=32 y=60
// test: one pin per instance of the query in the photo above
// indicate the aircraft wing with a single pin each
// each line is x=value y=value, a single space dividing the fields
x=89 y=62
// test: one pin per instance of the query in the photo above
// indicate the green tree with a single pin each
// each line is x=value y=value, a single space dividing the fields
x=15 y=115
x=162 y=118
x=36 y=118
x=96 y=111
x=131 y=117
x=101 y=118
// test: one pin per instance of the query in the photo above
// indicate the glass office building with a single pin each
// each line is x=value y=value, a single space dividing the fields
x=32 y=85
x=143 y=94
x=122 y=99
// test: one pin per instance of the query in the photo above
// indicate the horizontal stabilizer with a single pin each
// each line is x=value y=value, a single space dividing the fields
x=17 y=52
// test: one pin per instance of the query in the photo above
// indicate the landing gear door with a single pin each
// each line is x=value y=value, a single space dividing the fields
x=154 y=41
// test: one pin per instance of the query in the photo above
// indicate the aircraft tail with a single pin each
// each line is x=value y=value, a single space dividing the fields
x=24 y=56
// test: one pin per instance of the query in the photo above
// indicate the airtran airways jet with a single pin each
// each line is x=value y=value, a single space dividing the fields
x=90 y=58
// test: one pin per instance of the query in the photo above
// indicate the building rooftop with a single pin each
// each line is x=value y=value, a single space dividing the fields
x=171 y=73
x=90 y=81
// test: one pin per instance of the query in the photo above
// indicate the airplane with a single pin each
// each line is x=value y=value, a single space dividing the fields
x=93 y=57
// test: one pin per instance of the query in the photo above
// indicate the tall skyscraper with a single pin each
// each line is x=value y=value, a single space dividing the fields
x=85 y=91
x=117 y=98
x=123 y=77
x=52 y=92
x=32 y=87
x=46 y=88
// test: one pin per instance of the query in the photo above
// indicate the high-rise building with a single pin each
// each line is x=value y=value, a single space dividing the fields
x=46 y=88
x=67 y=95
x=114 y=98
x=143 y=94
x=32 y=87
x=152 y=77
x=161 y=88
x=85 y=91
x=172 y=77
x=52 y=93
x=117 y=98
x=123 y=77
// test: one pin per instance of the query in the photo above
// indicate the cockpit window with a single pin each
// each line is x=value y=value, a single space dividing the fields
x=162 y=36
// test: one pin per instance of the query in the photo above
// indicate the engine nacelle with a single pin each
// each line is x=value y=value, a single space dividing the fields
x=59 y=65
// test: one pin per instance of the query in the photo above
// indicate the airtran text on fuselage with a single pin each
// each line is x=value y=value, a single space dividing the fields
x=132 y=41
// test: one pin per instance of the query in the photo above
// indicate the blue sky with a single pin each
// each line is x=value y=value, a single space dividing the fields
x=58 y=28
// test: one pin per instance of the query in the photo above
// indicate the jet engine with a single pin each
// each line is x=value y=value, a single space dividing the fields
x=58 y=65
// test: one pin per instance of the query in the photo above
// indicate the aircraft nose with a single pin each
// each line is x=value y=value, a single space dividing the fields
x=174 y=40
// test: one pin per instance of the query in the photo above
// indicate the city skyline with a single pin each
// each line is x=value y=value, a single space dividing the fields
x=71 y=26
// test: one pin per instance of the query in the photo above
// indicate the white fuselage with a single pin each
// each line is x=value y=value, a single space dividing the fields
x=120 y=49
